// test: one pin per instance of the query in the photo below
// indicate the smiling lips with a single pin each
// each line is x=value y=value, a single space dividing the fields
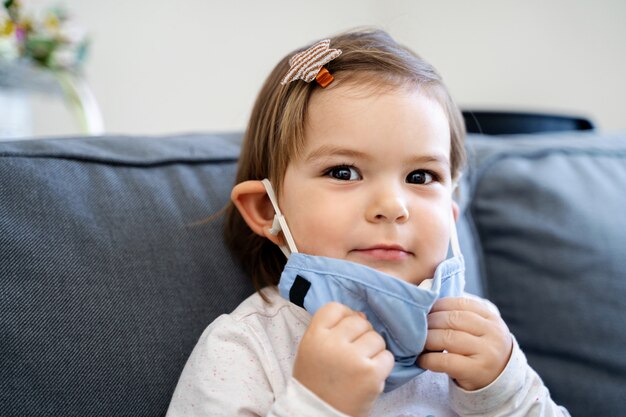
x=384 y=252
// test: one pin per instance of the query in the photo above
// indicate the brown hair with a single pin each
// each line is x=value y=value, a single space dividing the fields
x=275 y=132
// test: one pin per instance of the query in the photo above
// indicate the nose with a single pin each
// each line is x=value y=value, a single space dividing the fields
x=387 y=206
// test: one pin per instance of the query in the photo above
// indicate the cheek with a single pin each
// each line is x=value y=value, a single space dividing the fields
x=318 y=226
x=434 y=221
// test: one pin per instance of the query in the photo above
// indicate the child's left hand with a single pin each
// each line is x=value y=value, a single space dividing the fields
x=477 y=342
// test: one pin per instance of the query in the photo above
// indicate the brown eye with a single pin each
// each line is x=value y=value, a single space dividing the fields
x=344 y=173
x=419 y=177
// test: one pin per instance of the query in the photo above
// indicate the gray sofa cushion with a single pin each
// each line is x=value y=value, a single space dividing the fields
x=106 y=283
x=549 y=213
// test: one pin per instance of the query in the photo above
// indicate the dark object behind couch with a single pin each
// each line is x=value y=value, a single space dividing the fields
x=507 y=123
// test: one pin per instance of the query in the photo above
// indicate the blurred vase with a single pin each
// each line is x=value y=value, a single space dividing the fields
x=20 y=79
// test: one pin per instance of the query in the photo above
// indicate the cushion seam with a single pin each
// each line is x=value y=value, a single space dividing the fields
x=117 y=162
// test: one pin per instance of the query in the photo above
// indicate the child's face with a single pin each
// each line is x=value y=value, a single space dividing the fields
x=373 y=183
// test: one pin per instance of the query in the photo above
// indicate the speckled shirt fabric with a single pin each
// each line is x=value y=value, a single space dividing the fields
x=243 y=362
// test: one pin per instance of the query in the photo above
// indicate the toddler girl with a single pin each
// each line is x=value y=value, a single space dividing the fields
x=347 y=170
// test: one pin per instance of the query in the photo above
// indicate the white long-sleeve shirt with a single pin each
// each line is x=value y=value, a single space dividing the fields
x=242 y=366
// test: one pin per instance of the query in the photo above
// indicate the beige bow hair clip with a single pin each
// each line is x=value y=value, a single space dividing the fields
x=308 y=65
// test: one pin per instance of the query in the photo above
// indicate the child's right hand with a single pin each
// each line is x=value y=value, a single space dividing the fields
x=343 y=360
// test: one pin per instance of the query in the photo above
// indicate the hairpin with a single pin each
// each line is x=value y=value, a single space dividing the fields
x=308 y=65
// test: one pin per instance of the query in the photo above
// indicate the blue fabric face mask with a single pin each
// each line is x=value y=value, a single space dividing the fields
x=396 y=309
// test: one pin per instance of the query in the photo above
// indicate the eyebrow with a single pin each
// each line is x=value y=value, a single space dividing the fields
x=332 y=150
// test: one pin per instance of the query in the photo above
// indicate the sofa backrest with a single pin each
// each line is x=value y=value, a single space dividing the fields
x=106 y=278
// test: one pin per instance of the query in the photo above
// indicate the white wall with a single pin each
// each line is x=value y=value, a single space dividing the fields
x=161 y=66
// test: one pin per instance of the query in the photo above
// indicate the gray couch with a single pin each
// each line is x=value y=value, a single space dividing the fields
x=108 y=273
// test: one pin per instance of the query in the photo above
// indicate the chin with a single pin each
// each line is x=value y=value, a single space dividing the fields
x=399 y=275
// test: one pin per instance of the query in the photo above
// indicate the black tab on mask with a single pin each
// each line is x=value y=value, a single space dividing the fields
x=298 y=291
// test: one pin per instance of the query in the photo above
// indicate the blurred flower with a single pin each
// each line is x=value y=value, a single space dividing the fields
x=51 y=42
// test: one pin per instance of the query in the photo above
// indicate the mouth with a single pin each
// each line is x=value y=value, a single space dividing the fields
x=383 y=252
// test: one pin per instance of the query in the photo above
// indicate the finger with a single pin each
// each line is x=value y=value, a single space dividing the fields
x=450 y=363
x=352 y=327
x=463 y=304
x=330 y=314
x=383 y=363
x=453 y=341
x=370 y=344
x=463 y=320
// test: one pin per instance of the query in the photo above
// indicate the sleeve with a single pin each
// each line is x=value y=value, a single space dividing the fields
x=517 y=392
x=227 y=375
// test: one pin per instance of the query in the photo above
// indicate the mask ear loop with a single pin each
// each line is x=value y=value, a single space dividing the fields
x=279 y=224
x=454 y=237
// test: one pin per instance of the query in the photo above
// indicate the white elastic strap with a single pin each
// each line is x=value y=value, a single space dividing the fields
x=454 y=237
x=279 y=222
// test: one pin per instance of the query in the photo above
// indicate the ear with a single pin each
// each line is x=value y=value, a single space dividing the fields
x=256 y=208
x=455 y=211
